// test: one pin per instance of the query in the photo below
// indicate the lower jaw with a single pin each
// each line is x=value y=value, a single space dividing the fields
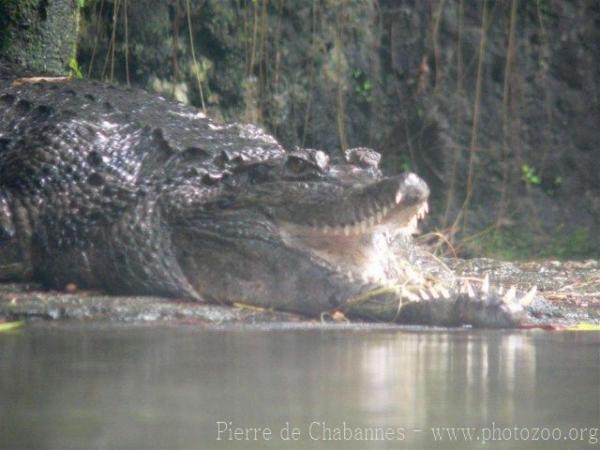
x=366 y=259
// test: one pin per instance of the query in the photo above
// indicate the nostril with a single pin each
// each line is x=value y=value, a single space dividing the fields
x=414 y=188
x=411 y=178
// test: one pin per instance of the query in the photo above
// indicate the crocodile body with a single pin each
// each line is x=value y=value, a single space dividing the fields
x=120 y=190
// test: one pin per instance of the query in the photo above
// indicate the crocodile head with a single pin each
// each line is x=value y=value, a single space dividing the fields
x=300 y=232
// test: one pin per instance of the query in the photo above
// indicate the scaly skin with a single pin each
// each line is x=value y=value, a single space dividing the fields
x=116 y=189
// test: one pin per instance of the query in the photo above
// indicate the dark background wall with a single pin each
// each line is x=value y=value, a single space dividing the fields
x=494 y=102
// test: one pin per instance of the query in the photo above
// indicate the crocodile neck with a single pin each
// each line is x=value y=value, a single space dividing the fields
x=15 y=238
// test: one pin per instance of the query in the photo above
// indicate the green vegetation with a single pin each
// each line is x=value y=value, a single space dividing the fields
x=553 y=187
x=517 y=243
x=12 y=12
x=5 y=326
x=405 y=164
x=74 y=69
x=363 y=86
x=39 y=33
x=529 y=175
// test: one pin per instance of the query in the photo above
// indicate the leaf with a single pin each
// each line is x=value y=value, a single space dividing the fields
x=584 y=326
x=75 y=69
x=9 y=326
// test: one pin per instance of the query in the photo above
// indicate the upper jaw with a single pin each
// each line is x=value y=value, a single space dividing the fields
x=396 y=203
x=362 y=250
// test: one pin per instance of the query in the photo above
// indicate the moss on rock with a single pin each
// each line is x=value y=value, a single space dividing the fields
x=40 y=34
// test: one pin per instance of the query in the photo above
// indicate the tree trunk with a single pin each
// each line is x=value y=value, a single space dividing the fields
x=39 y=34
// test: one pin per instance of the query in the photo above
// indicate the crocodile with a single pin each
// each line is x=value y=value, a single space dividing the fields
x=114 y=188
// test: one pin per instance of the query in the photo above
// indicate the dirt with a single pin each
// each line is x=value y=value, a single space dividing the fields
x=572 y=289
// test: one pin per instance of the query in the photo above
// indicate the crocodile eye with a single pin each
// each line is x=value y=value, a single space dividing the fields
x=297 y=165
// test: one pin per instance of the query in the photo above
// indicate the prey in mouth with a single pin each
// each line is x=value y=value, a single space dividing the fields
x=361 y=248
x=309 y=236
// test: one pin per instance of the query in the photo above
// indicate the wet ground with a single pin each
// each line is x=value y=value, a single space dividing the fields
x=572 y=286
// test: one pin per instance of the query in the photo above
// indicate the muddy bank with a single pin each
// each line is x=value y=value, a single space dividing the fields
x=572 y=289
x=30 y=301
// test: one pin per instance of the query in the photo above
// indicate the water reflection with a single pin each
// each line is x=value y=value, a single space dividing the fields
x=139 y=387
x=484 y=373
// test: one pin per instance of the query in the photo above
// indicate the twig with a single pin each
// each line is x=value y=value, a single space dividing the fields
x=196 y=67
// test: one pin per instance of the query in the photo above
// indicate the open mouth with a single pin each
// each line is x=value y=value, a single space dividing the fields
x=395 y=217
x=357 y=241
x=394 y=203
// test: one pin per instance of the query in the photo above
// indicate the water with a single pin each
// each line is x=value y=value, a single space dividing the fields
x=89 y=386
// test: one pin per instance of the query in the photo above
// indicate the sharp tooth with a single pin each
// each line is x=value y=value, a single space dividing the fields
x=372 y=221
x=470 y=291
x=514 y=308
x=326 y=229
x=398 y=197
x=379 y=217
x=363 y=226
x=444 y=292
x=426 y=207
x=509 y=297
x=410 y=296
x=385 y=210
x=485 y=286
x=346 y=230
x=433 y=292
x=529 y=297
x=423 y=294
